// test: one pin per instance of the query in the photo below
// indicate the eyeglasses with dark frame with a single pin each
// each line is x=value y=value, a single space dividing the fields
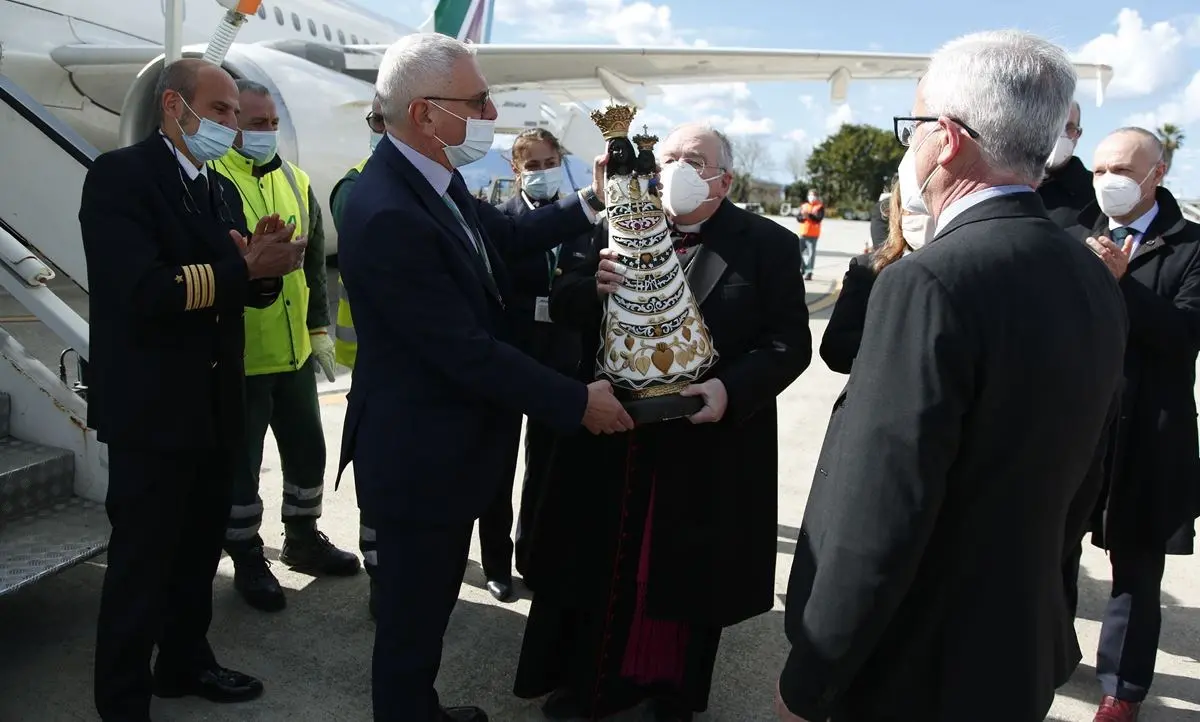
x=478 y=102
x=904 y=127
x=375 y=122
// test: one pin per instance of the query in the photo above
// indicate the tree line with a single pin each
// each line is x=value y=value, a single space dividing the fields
x=851 y=167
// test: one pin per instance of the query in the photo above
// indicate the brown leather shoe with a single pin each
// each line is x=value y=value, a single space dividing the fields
x=1117 y=710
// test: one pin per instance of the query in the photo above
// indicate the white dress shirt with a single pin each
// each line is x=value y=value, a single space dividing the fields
x=953 y=210
x=188 y=167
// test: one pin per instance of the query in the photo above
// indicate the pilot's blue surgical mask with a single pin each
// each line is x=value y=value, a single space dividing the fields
x=211 y=140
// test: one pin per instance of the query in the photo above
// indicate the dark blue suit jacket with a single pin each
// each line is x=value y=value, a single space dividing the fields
x=437 y=397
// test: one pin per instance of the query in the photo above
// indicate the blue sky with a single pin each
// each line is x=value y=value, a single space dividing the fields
x=1154 y=48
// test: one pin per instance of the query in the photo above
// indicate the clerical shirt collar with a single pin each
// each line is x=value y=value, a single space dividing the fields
x=191 y=170
x=693 y=228
x=436 y=173
x=1141 y=225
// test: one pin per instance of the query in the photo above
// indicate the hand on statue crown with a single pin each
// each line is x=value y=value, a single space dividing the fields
x=598 y=175
x=609 y=276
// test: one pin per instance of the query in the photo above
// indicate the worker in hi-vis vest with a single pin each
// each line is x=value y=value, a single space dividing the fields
x=345 y=342
x=283 y=344
x=811 y=215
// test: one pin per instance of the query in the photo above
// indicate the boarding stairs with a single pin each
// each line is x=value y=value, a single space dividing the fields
x=53 y=475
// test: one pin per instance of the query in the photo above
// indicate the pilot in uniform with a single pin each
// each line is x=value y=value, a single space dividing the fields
x=170 y=274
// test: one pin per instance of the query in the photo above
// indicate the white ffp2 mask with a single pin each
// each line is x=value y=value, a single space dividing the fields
x=683 y=189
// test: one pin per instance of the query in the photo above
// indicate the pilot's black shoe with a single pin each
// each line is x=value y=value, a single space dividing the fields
x=502 y=590
x=252 y=578
x=307 y=550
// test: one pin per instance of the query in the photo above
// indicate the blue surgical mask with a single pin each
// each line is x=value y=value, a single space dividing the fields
x=541 y=185
x=211 y=141
x=476 y=143
x=259 y=145
x=375 y=138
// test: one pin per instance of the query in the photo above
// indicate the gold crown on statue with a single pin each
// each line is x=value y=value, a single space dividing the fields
x=614 y=122
x=645 y=141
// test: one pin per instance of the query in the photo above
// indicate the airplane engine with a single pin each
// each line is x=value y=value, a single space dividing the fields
x=321 y=113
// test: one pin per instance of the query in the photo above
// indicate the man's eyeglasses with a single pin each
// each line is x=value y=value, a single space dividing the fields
x=478 y=102
x=906 y=126
x=699 y=164
x=375 y=122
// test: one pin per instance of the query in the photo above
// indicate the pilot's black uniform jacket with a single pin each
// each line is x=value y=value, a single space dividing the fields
x=167 y=289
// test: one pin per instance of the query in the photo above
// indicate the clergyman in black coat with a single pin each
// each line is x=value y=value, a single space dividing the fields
x=1149 y=508
x=669 y=531
x=169 y=277
x=958 y=465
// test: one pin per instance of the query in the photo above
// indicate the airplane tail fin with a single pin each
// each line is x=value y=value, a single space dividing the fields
x=467 y=20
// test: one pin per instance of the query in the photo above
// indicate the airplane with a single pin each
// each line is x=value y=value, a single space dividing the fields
x=94 y=65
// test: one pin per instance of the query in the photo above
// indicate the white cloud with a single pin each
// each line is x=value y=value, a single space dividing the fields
x=1182 y=109
x=1145 y=58
x=627 y=23
x=798 y=136
x=840 y=116
x=807 y=101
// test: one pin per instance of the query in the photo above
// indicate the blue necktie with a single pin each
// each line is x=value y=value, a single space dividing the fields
x=1120 y=234
x=476 y=242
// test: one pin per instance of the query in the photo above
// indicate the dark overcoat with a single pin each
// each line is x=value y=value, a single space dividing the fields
x=962 y=460
x=715 y=513
x=1154 y=495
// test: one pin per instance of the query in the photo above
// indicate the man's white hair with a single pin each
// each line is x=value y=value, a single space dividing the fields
x=1013 y=88
x=724 y=157
x=415 y=66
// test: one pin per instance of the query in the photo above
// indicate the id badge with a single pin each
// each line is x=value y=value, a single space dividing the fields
x=541 y=310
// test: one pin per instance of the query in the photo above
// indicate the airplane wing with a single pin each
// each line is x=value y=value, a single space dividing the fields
x=572 y=73
x=627 y=74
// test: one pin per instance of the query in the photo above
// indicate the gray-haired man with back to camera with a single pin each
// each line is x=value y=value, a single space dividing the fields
x=966 y=452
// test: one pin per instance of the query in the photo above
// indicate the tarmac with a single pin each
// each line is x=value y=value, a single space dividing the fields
x=315 y=656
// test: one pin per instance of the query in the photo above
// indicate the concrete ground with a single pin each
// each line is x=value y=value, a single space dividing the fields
x=315 y=657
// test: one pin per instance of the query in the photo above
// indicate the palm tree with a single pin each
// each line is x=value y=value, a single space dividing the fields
x=1172 y=137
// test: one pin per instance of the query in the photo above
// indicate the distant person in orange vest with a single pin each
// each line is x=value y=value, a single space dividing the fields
x=811 y=215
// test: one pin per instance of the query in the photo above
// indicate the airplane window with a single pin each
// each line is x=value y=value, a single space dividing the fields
x=279 y=16
x=296 y=21
x=262 y=11
x=341 y=37
x=328 y=34
x=312 y=27
x=353 y=39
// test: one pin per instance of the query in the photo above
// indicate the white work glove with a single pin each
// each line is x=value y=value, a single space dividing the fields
x=322 y=352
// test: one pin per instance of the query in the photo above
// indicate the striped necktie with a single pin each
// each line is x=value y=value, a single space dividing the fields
x=475 y=240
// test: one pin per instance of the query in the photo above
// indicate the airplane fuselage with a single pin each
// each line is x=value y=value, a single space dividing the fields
x=91 y=102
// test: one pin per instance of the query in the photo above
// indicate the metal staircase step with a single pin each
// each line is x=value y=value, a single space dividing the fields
x=33 y=476
x=49 y=540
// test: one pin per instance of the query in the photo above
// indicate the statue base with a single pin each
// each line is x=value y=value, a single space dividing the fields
x=660 y=403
